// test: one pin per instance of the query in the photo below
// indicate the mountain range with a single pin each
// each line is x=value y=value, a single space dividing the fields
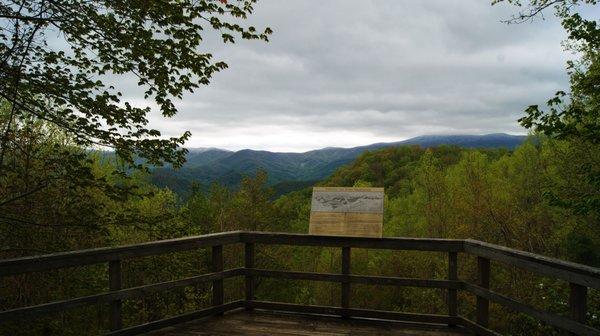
x=292 y=171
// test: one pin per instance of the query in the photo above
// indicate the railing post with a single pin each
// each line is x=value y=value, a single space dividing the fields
x=249 y=263
x=345 y=284
x=578 y=302
x=114 y=283
x=483 y=304
x=217 y=266
x=452 y=293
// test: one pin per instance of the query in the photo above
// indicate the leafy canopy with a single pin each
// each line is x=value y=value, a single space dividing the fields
x=573 y=115
x=66 y=83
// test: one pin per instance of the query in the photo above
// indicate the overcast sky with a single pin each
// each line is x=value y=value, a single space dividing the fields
x=347 y=73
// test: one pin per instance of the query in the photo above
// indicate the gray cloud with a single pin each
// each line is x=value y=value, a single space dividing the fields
x=346 y=73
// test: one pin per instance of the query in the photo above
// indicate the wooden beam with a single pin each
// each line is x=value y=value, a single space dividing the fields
x=554 y=268
x=154 y=325
x=106 y=254
x=483 y=279
x=417 y=244
x=133 y=292
x=353 y=312
x=476 y=328
x=217 y=266
x=544 y=316
x=452 y=276
x=345 y=299
x=249 y=264
x=578 y=302
x=115 y=311
x=361 y=279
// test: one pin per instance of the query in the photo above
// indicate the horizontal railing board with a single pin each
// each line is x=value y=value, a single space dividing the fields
x=583 y=275
x=47 y=308
x=360 y=279
x=104 y=254
x=352 y=312
x=556 y=268
x=418 y=244
x=544 y=316
x=167 y=322
x=472 y=326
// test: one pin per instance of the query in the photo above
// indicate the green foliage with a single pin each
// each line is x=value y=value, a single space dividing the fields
x=573 y=116
x=68 y=83
x=60 y=213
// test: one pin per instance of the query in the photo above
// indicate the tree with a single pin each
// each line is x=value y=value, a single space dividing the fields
x=576 y=114
x=67 y=83
x=431 y=192
x=572 y=116
x=252 y=208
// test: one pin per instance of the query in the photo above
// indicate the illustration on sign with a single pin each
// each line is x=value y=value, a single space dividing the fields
x=367 y=202
x=343 y=211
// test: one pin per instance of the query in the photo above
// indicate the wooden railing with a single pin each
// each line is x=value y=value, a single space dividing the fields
x=578 y=276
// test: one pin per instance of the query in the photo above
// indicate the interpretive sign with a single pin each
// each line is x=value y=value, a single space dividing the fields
x=346 y=211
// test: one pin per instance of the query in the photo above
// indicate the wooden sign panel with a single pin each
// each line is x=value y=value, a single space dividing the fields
x=346 y=212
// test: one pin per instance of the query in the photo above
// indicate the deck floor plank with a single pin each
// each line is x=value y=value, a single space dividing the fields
x=242 y=323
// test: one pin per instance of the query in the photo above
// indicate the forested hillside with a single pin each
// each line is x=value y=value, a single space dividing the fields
x=500 y=196
x=291 y=171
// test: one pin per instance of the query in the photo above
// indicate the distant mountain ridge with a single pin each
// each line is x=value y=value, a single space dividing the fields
x=207 y=165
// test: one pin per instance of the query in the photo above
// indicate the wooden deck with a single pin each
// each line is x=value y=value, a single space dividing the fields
x=242 y=323
x=579 y=277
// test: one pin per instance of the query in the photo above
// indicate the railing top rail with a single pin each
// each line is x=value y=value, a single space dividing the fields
x=104 y=254
x=392 y=243
x=577 y=273
x=572 y=272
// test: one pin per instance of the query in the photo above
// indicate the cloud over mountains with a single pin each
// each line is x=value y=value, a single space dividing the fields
x=344 y=73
